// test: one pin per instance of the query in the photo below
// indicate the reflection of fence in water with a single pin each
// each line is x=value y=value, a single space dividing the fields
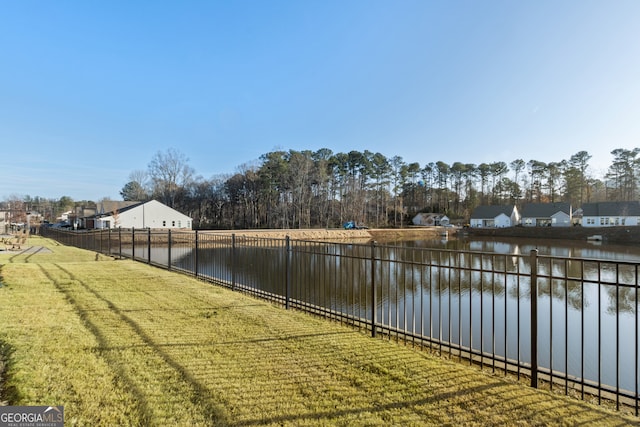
x=472 y=305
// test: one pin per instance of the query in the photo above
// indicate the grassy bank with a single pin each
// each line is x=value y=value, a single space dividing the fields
x=123 y=343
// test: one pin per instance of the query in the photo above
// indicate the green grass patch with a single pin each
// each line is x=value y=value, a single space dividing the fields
x=124 y=343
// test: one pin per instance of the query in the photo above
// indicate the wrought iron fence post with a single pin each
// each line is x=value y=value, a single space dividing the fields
x=120 y=241
x=169 y=249
x=233 y=262
x=196 y=255
x=287 y=267
x=133 y=243
x=148 y=245
x=109 y=242
x=534 y=318
x=374 y=300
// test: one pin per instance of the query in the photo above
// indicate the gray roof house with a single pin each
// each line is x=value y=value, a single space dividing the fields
x=546 y=215
x=607 y=214
x=495 y=216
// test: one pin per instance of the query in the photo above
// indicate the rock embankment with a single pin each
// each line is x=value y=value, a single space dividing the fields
x=381 y=234
x=623 y=235
x=300 y=234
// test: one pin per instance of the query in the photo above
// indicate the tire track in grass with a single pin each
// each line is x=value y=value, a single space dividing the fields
x=154 y=385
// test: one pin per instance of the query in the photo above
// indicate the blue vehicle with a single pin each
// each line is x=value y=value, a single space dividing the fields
x=351 y=225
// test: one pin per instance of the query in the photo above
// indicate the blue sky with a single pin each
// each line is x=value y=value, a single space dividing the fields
x=90 y=91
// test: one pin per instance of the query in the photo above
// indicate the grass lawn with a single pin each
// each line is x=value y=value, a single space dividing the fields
x=122 y=343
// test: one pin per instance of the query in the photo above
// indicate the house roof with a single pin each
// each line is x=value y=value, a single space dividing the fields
x=128 y=208
x=492 y=211
x=119 y=210
x=110 y=206
x=545 y=210
x=429 y=215
x=611 y=209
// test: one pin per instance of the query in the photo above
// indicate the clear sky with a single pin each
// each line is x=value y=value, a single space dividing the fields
x=90 y=91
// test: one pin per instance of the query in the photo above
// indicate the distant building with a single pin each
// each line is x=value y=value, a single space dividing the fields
x=608 y=214
x=546 y=215
x=103 y=208
x=430 y=219
x=4 y=221
x=64 y=216
x=151 y=214
x=495 y=216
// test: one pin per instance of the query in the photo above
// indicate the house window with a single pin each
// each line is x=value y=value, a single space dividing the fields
x=164 y=223
x=179 y=224
x=173 y=223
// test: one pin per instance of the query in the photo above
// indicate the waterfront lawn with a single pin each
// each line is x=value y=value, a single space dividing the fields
x=123 y=343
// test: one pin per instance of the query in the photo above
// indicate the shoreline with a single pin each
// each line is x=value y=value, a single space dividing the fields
x=619 y=234
x=383 y=234
x=615 y=234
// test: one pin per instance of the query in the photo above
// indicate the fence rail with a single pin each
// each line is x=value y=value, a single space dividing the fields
x=567 y=323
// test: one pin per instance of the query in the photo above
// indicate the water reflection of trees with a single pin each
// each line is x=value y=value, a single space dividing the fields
x=464 y=297
x=415 y=269
x=627 y=299
x=341 y=274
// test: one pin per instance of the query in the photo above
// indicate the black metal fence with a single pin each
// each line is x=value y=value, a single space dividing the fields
x=564 y=323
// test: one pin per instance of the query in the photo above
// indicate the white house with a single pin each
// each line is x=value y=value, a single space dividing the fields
x=546 y=215
x=495 y=216
x=430 y=219
x=607 y=214
x=151 y=214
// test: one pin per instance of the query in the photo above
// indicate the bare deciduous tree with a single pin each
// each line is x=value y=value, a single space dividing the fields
x=169 y=172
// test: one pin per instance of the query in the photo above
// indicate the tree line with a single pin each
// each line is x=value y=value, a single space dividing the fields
x=303 y=189
x=306 y=189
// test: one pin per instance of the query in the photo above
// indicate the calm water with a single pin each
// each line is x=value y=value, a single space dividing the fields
x=587 y=330
x=559 y=248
